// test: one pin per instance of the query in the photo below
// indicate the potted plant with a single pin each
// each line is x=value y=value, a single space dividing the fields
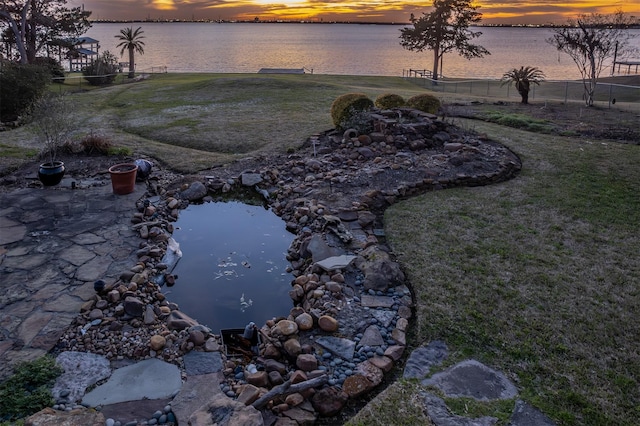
x=52 y=124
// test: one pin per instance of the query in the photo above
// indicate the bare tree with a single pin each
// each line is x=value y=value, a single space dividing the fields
x=32 y=24
x=443 y=30
x=590 y=40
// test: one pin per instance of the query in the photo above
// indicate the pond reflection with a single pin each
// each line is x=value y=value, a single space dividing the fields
x=233 y=266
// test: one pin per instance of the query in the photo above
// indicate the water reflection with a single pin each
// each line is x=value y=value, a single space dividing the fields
x=233 y=266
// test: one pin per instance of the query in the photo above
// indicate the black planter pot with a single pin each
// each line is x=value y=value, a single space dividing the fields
x=51 y=173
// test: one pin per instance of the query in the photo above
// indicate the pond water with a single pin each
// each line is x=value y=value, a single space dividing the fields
x=233 y=265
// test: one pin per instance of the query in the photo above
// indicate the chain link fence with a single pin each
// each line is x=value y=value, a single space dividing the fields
x=606 y=95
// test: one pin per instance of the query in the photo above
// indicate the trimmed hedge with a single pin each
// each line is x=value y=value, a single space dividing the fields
x=343 y=107
x=389 y=100
x=424 y=102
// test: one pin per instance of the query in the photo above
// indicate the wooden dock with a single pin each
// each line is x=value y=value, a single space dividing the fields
x=281 y=71
x=627 y=64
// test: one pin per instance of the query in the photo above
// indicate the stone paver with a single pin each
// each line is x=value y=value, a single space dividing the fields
x=54 y=242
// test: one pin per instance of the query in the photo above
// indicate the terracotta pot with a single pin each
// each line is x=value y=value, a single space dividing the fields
x=51 y=173
x=123 y=178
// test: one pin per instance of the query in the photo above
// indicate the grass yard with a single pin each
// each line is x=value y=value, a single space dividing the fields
x=538 y=277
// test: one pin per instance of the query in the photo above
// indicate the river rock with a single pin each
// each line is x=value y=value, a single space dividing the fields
x=196 y=191
x=197 y=337
x=371 y=372
x=178 y=320
x=329 y=401
x=249 y=394
x=304 y=321
x=149 y=315
x=328 y=323
x=157 y=342
x=285 y=328
x=306 y=362
x=356 y=385
x=133 y=306
x=273 y=365
x=260 y=378
x=292 y=347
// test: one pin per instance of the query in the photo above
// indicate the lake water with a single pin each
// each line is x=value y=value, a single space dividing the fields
x=233 y=265
x=344 y=49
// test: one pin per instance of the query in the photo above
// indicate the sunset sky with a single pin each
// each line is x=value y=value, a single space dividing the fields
x=494 y=11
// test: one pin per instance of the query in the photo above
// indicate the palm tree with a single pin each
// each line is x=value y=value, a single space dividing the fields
x=522 y=79
x=131 y=40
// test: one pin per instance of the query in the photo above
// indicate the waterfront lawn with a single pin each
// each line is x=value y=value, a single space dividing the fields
x=538 y=276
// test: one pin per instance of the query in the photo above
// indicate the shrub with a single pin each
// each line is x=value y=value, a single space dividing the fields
x=343 y=107
x=28 y=390
x=20 y=86
x=424 y=102
x=96 y=144
x=53 y=66
x=102 y=71
x=389 y=100
x=359 y=120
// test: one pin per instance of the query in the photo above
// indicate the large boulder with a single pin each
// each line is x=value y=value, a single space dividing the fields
x=196 y=191
x=380 y=271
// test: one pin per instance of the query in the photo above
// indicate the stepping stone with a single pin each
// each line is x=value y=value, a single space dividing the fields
x=440 y=415
x=148 y=379
x=526 y=415
x=423 y=359
x=81 y=370
x=473 y=379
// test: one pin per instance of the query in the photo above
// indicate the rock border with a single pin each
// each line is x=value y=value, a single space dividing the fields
x=352 y=305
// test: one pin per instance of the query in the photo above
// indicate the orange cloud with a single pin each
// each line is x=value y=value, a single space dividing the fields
x=163 y=5
x=494 y=11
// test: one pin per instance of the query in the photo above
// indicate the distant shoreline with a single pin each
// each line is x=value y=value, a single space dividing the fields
x=222 y=21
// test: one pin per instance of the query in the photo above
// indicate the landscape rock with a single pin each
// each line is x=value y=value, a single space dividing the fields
x=472 y=379
x=76 y=417
x=195 y=192
x=329 y=401
x=226 y=411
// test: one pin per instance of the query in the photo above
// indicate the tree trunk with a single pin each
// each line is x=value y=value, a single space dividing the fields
x=523 y=89
x=132 y=65
x=436 y=62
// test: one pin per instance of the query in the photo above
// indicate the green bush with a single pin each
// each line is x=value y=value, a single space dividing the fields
x=424 y=102
x=102 y=71
x=343 y=107
x=20 y=86
x=359 y=120
x=28 y=390
x=53 y=66
x=389 y=100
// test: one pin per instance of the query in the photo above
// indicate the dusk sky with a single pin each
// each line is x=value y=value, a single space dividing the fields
x=494 y=11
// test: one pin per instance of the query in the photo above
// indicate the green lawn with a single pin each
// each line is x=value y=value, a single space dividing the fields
x=538 y=277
